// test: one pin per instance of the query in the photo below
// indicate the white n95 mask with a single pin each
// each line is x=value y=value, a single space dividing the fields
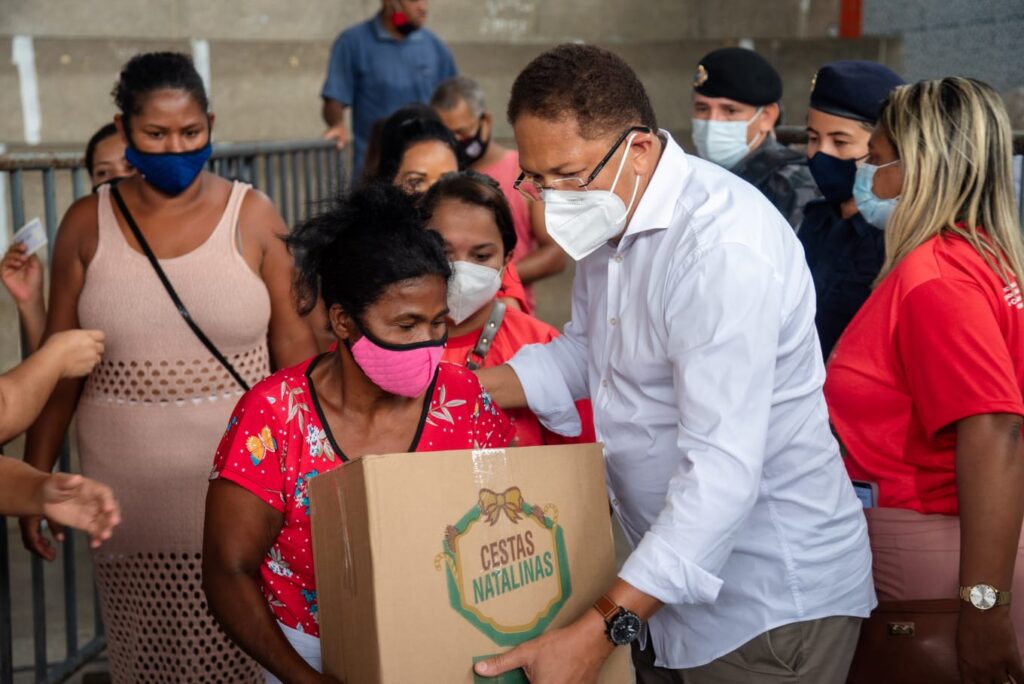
x=580 y=221
x=723 y=142
x=472 y=286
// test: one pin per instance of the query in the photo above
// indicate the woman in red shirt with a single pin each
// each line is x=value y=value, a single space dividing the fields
x=471 y=214
x=383 y=280
x=925 y=386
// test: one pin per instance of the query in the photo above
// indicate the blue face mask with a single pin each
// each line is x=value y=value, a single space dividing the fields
x=834 y=176
x=875 y=210
x=169 y=172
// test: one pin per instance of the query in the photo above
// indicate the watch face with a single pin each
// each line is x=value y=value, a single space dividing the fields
x=625 y=628
x=983 y=596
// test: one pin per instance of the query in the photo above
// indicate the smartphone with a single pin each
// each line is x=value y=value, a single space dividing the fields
x=867 y=492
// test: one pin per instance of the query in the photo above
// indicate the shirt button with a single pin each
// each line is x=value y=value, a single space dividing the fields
x=615 y=502
x=604 y=383
x=614 y=321
x=617 y=258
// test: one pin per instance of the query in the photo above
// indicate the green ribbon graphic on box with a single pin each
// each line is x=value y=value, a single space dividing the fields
x=506 y=566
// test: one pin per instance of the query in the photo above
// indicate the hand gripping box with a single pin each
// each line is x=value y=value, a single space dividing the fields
x=428 y=562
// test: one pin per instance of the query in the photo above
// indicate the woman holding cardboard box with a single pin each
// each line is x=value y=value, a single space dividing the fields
x=382 y=389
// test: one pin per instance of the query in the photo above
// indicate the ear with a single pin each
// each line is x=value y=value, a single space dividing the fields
x=506 y=261
x=769 y=118
x=487 y=120
x=644 y=153
x=342 y=325
x=210 y=119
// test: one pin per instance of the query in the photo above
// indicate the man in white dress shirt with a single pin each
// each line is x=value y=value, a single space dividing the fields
x=693 y=333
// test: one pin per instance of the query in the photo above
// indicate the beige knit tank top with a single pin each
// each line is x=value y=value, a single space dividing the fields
x=151 y=356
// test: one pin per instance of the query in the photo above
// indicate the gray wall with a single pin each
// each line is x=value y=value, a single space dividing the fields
x=267 y=60
x=267 y=57
x=978 y=38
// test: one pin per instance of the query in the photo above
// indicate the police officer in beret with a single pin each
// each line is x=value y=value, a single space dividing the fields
x=736 y=95
x=843 y=233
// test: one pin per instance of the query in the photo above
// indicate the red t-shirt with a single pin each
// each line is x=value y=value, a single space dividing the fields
x=939 y=340
x=277 y=440
x=512 y=288
x=518 y=329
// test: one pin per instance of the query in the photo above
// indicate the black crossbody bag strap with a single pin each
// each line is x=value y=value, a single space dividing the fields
x=200 y=335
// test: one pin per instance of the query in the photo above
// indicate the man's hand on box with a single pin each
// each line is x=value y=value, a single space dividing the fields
x=571 y=654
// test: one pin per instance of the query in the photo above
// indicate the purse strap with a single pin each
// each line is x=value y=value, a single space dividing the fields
x=475 y=359
x=200 y=335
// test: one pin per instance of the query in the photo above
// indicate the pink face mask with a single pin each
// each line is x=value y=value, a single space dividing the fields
x=402 y=369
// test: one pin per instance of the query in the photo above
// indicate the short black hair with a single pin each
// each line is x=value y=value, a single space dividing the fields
x=407 y=126
x=592 y=85
x=360 y=244
x=478 y=190
x=99 y=136
x=151 y=71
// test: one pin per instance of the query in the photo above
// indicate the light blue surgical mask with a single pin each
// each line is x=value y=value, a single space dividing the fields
x=723 y=142
x=875 y=210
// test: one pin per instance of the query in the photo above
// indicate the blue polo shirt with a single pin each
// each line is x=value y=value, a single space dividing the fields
x=374 y=73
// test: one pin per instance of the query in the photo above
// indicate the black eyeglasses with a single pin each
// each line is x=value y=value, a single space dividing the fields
x=532 y=190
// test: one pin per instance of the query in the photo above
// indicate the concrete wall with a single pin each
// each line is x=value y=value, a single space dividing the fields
x=267 y=58
x=978 y=38
x=267 y=61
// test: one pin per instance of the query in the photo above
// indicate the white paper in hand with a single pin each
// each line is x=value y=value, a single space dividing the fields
x=32 y=235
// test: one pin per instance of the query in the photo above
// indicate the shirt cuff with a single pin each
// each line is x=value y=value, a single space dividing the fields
x=547 y=393
x=655 y=569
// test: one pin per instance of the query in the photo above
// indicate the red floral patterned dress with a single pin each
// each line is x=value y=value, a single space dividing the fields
x=278 y=439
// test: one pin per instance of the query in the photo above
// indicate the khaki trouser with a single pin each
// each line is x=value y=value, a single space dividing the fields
x=813 y=652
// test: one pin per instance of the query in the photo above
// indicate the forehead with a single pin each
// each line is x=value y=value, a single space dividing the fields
x=109 y=148
x=458 y=116
x=169 y=102
x=825 y=124
x=548 y=144
x=432 y=154
x=717 y=101
x=464 y=224
x=424 y=292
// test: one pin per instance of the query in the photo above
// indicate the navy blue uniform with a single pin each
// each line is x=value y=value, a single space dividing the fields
x=845 y=256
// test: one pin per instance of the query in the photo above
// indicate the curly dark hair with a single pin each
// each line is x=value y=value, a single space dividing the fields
x=478 y=190
x=150 y=71
x=360 y=244
x=592 y=85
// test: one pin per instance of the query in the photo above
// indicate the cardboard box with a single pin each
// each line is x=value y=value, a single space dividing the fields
x=428 y=562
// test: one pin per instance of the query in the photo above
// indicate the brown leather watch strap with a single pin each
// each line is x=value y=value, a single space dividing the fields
x=606 y=607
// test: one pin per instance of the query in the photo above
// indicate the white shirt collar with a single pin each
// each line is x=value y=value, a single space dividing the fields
x=657 y=206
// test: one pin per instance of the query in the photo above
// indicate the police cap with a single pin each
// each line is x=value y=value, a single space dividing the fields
x=853 y=89
x=738 y=74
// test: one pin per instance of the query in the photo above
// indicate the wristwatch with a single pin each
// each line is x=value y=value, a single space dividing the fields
x=621 y=626
x=984 y=596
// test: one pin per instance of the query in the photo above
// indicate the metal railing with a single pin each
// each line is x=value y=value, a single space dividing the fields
x=295 y=174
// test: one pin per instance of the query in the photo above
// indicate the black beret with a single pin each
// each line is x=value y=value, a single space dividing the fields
x=738 y=74
x=853 y=89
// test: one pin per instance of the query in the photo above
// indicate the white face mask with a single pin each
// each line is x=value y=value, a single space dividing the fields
x=723 y=142
x=580 y=221
x=471 y=287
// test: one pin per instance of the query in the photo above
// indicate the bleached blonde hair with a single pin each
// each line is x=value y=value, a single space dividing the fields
x=955 y=144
